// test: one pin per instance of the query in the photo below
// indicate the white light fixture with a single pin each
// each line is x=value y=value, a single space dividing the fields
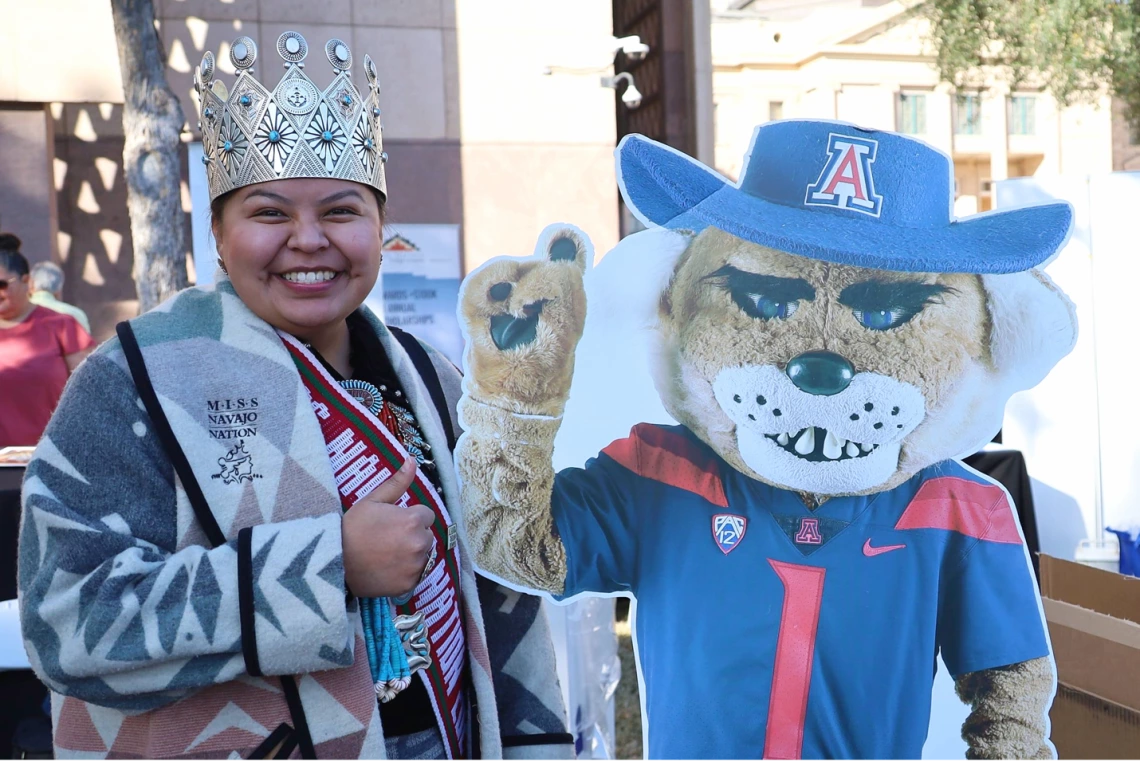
x=632 y=96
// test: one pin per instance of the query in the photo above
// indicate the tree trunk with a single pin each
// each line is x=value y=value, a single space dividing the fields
x=152 y=123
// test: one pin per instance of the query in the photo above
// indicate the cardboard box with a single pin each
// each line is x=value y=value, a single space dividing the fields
x=1094 y=623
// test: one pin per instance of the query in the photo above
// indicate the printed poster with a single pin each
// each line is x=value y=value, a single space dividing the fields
x=419 y=284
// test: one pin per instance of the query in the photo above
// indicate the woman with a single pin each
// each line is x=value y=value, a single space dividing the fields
x=39 y=348
x=221 y=550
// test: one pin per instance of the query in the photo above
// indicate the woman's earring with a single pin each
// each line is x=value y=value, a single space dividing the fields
x=222 y=265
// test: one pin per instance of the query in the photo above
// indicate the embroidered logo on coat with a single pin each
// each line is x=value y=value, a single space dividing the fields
x=728 y=530
x=234 y=418
x=237 y=466
x=846 y=181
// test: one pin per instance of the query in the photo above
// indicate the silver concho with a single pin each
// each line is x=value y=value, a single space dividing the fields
x=243 y=53
x=291 y=46
x=206 y=68
x=338 y=54
x=298 y=97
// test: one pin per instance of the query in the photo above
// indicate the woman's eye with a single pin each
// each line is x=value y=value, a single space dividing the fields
x=881 y=320
x=269 y=213
x=766 y=308
x=342 y=210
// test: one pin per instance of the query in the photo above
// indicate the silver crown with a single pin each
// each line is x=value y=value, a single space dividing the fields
x=251 y=134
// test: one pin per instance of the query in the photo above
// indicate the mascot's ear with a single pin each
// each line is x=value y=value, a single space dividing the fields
x=1032 y=326
x=562 y=242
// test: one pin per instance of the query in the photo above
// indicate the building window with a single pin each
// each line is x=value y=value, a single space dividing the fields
x=775 y=110
x=1022 y=115
x=912 y=113
x=968 y=115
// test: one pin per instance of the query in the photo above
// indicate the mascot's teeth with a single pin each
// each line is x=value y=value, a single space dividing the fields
x=806 y=443
x=832 y=446
x=852 y=450
x=782 y=440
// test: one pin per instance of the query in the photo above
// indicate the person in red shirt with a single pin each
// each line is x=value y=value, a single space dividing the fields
x=38 y=350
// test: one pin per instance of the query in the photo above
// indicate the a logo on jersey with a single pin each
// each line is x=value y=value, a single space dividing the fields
x=728 y=530
x=809 y=533
x=846 y=181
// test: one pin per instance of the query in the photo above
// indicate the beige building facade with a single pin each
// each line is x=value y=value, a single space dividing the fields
x=478 y=134
x=866 y=62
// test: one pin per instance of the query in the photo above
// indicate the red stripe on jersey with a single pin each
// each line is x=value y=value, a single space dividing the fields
x=795 y=652
x=972 y=508
x=670 y=458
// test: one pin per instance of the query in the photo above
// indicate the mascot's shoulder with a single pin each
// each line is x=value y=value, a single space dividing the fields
x=671 y=455
x=953 y=497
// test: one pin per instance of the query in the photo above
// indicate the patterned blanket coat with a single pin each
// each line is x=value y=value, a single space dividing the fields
x=133 y=621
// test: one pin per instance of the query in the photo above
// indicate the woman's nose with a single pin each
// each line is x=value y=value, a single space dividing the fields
x=308 y=236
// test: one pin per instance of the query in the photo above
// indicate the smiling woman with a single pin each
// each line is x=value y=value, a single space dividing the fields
x=303 y=254
x=258 y=481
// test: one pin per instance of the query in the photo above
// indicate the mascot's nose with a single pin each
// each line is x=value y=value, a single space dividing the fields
x=822 y=373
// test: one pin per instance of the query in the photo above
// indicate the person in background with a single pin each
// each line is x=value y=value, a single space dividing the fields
x=47 y=291
x=39 y=348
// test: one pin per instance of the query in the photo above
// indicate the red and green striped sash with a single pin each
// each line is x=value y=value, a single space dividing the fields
x=363 y=454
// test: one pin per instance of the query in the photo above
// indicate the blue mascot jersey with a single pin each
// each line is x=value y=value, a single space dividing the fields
x=766 y=629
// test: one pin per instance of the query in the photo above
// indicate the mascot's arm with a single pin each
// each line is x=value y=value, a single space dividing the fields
x=1008 y=707
x=523 y=320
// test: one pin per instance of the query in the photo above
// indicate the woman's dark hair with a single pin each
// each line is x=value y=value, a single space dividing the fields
x=218 y=205
x=10 y=257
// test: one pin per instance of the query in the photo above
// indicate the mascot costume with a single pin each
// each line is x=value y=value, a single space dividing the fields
x=803 y=545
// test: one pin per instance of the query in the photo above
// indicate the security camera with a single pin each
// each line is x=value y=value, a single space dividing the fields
x=631 y=97
x=636 y=52
x=632 y=46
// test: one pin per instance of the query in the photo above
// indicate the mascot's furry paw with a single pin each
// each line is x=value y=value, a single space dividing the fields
x=1008 y=706
x=523 y=319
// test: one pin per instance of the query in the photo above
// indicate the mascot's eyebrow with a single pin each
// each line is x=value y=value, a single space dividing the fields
x=771 y=286
x=906 y=295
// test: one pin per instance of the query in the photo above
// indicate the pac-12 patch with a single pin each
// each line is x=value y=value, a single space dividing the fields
x=728 y=530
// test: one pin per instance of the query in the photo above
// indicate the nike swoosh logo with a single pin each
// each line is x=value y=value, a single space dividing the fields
x=870 y=551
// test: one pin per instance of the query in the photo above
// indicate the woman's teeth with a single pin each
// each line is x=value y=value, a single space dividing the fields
x=309 y=277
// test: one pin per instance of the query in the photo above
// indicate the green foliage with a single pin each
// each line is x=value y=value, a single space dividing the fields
x=1078 y=50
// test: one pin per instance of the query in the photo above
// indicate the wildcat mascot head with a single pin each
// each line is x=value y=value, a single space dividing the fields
x=825 y=324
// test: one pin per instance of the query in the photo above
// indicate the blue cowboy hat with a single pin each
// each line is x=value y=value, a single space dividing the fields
x=839 y=193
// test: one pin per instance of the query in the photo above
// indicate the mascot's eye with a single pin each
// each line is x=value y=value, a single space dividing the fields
x=881 y=320
x=765 y=308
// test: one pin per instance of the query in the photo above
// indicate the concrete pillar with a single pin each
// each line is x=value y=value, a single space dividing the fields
x=27 y=194
x=997 y=131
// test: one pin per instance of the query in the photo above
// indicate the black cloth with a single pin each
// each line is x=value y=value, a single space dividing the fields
x=411 y=710
x=23 y=721
x=10 y=479
x=1008 y=467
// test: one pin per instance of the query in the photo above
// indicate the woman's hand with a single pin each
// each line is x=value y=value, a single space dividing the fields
x=386 y=547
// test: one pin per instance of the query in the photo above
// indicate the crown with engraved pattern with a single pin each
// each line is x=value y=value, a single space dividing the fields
x=251 y=134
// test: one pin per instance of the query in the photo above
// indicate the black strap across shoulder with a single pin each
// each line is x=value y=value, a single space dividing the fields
x=166 y=435
x=213 y=532
x=427 y=372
